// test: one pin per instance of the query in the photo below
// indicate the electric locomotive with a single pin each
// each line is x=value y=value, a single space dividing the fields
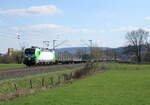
x=36 y=55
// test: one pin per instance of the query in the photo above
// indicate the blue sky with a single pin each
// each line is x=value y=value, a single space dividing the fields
x=73 y=21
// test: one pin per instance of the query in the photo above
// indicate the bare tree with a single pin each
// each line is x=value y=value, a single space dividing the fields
x=18 y=56
x=137 y=39
x=97 y=54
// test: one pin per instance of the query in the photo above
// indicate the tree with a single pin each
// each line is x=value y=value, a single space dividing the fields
x=18 y=56
x=137 y=39
x=146 y=57
x=96 y=54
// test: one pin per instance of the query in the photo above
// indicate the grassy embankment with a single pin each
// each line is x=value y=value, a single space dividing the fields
x=38 y=81
x=11 y=66
x=124 y=84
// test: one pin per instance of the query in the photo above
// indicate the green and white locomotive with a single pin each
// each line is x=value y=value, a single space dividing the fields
x=42 y=56
x=36 y=55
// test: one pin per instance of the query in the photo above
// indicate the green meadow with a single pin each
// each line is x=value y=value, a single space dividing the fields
x=121 y=84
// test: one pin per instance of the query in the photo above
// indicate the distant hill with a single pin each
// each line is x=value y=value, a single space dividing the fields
x=87 y=49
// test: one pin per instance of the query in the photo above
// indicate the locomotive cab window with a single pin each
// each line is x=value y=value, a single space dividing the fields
x=29 y=51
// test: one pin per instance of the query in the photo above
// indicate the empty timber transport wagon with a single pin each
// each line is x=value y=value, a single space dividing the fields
x=36 y=55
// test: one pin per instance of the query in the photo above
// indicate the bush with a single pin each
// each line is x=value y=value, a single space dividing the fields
x=89 y=68
x=6 y=59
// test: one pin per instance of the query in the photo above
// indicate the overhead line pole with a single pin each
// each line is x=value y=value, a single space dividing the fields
x=90 y=48
x=46 y=43
x=54 y=44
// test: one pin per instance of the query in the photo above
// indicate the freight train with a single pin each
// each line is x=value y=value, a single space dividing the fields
x=45 y=56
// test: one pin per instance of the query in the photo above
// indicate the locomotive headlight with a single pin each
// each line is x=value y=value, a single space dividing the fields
x=29 y=58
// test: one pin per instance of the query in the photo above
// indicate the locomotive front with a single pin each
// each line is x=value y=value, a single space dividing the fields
x=29 y=57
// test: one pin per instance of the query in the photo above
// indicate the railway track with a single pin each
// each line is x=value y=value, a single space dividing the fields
x=21 y=72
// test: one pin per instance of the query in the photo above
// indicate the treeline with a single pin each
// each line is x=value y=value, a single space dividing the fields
x=137 y=49
x=16 y=57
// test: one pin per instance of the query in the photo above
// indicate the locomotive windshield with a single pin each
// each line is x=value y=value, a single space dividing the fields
x=29 y=51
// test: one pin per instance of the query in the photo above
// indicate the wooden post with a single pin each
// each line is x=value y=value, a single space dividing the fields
x=31 y=84
x=43 y=82
x=65 y=77
x=52 y=81
x=15 y=86
x=59 y=79
x=70 y=77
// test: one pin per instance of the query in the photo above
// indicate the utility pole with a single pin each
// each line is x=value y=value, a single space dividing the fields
x=18 y=35
x=22 y=47
x=46 y=43
x=90 y=47
x=54 y=44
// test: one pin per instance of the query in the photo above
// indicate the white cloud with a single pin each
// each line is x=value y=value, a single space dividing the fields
x=147 y=18
x=43 y=26
x=59 y=29
x=34 y=10
x=129 y=28
x=53 y=28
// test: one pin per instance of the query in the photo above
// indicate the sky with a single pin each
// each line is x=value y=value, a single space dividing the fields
x=71 y=22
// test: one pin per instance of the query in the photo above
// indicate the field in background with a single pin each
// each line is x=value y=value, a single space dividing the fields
x=11 y=66
x=119 y=66
x=121 y=84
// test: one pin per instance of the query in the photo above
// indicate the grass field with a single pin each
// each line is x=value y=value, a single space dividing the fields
x=11 y=65
x=6 y=86
x=114 y=87
x=117 y=66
